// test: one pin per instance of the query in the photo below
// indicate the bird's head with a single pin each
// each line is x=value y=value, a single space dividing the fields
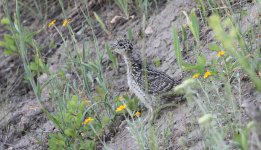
x=122 y=46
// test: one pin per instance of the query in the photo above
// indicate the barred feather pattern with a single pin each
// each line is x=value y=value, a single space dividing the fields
x=155 y=81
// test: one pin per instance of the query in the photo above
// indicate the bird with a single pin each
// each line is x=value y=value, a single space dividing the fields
x=144 y=81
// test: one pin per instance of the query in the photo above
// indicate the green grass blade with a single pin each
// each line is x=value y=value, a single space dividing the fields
x=101 y=23
x=177 y=47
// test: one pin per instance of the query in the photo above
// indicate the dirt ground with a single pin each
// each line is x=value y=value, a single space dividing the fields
x=23 y=124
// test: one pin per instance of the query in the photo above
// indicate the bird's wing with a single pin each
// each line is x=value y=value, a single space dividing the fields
x=157 y=82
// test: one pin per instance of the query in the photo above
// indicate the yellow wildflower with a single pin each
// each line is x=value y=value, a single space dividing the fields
x=220 y=53
x=137 y=114
x=65 y=22
x=120 y=98
x=88 y=120
x=121 y=108
x=52 y=23
x=195 y=75
x=207 y=74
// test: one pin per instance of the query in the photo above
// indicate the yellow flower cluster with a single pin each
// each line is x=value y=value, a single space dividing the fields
x=206 y=75
x=65 y=23
x=220 y=53
x=88 y=120
x=52 y=23
x=137 y=114
x=195 y=75
x=121 y=108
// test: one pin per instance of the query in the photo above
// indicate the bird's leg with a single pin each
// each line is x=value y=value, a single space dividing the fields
x=149 y=117
x=167 y=96
x=156 y=113
x=149 y=107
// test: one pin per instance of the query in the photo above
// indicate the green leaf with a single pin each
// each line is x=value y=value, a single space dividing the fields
x=69 y=132
x=5 y=21
x=8 y=37
x=241 y=139
x=105 y=121
x=2 y=44
x=195 y=25
x=56 y=141
x=75 y=98
x=203 y=8
x=188 y=66
x=8 y=52
x=13 y=48
x=41 y=64
x=111 y=56
x=73 y=102
x=213 y=47
x=33 y=66
x=201 y=62
x=157 y=62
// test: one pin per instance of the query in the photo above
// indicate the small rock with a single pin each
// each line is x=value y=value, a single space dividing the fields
x=41 y=79
x=48 y=126
x=149 y=30
x=115 y=19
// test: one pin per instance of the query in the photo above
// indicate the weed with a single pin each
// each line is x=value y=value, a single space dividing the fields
x=157 y=62
x=234 y=44
x=143 y=6
x=112 y=57
x=101 y=23
x=9 y=43
x=230 y=56
x=123 y=5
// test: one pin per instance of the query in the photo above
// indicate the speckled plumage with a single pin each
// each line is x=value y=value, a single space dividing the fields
x=157 y=82
x=145 y=82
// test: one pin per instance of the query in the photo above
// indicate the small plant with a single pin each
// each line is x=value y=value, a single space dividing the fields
x=37 y=66
x=75 y=133
x=193 y=24
x=131 y=103
x=143 y=6
x=9 y=45
x=198 y=68
x=234 y=44
x=157 y=62
x=101 y=23
x=112 y=57
x=222 y=69
x=9 y=42
x=123 y=5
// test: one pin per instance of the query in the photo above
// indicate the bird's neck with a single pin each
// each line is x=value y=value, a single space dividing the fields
x=131 y=60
